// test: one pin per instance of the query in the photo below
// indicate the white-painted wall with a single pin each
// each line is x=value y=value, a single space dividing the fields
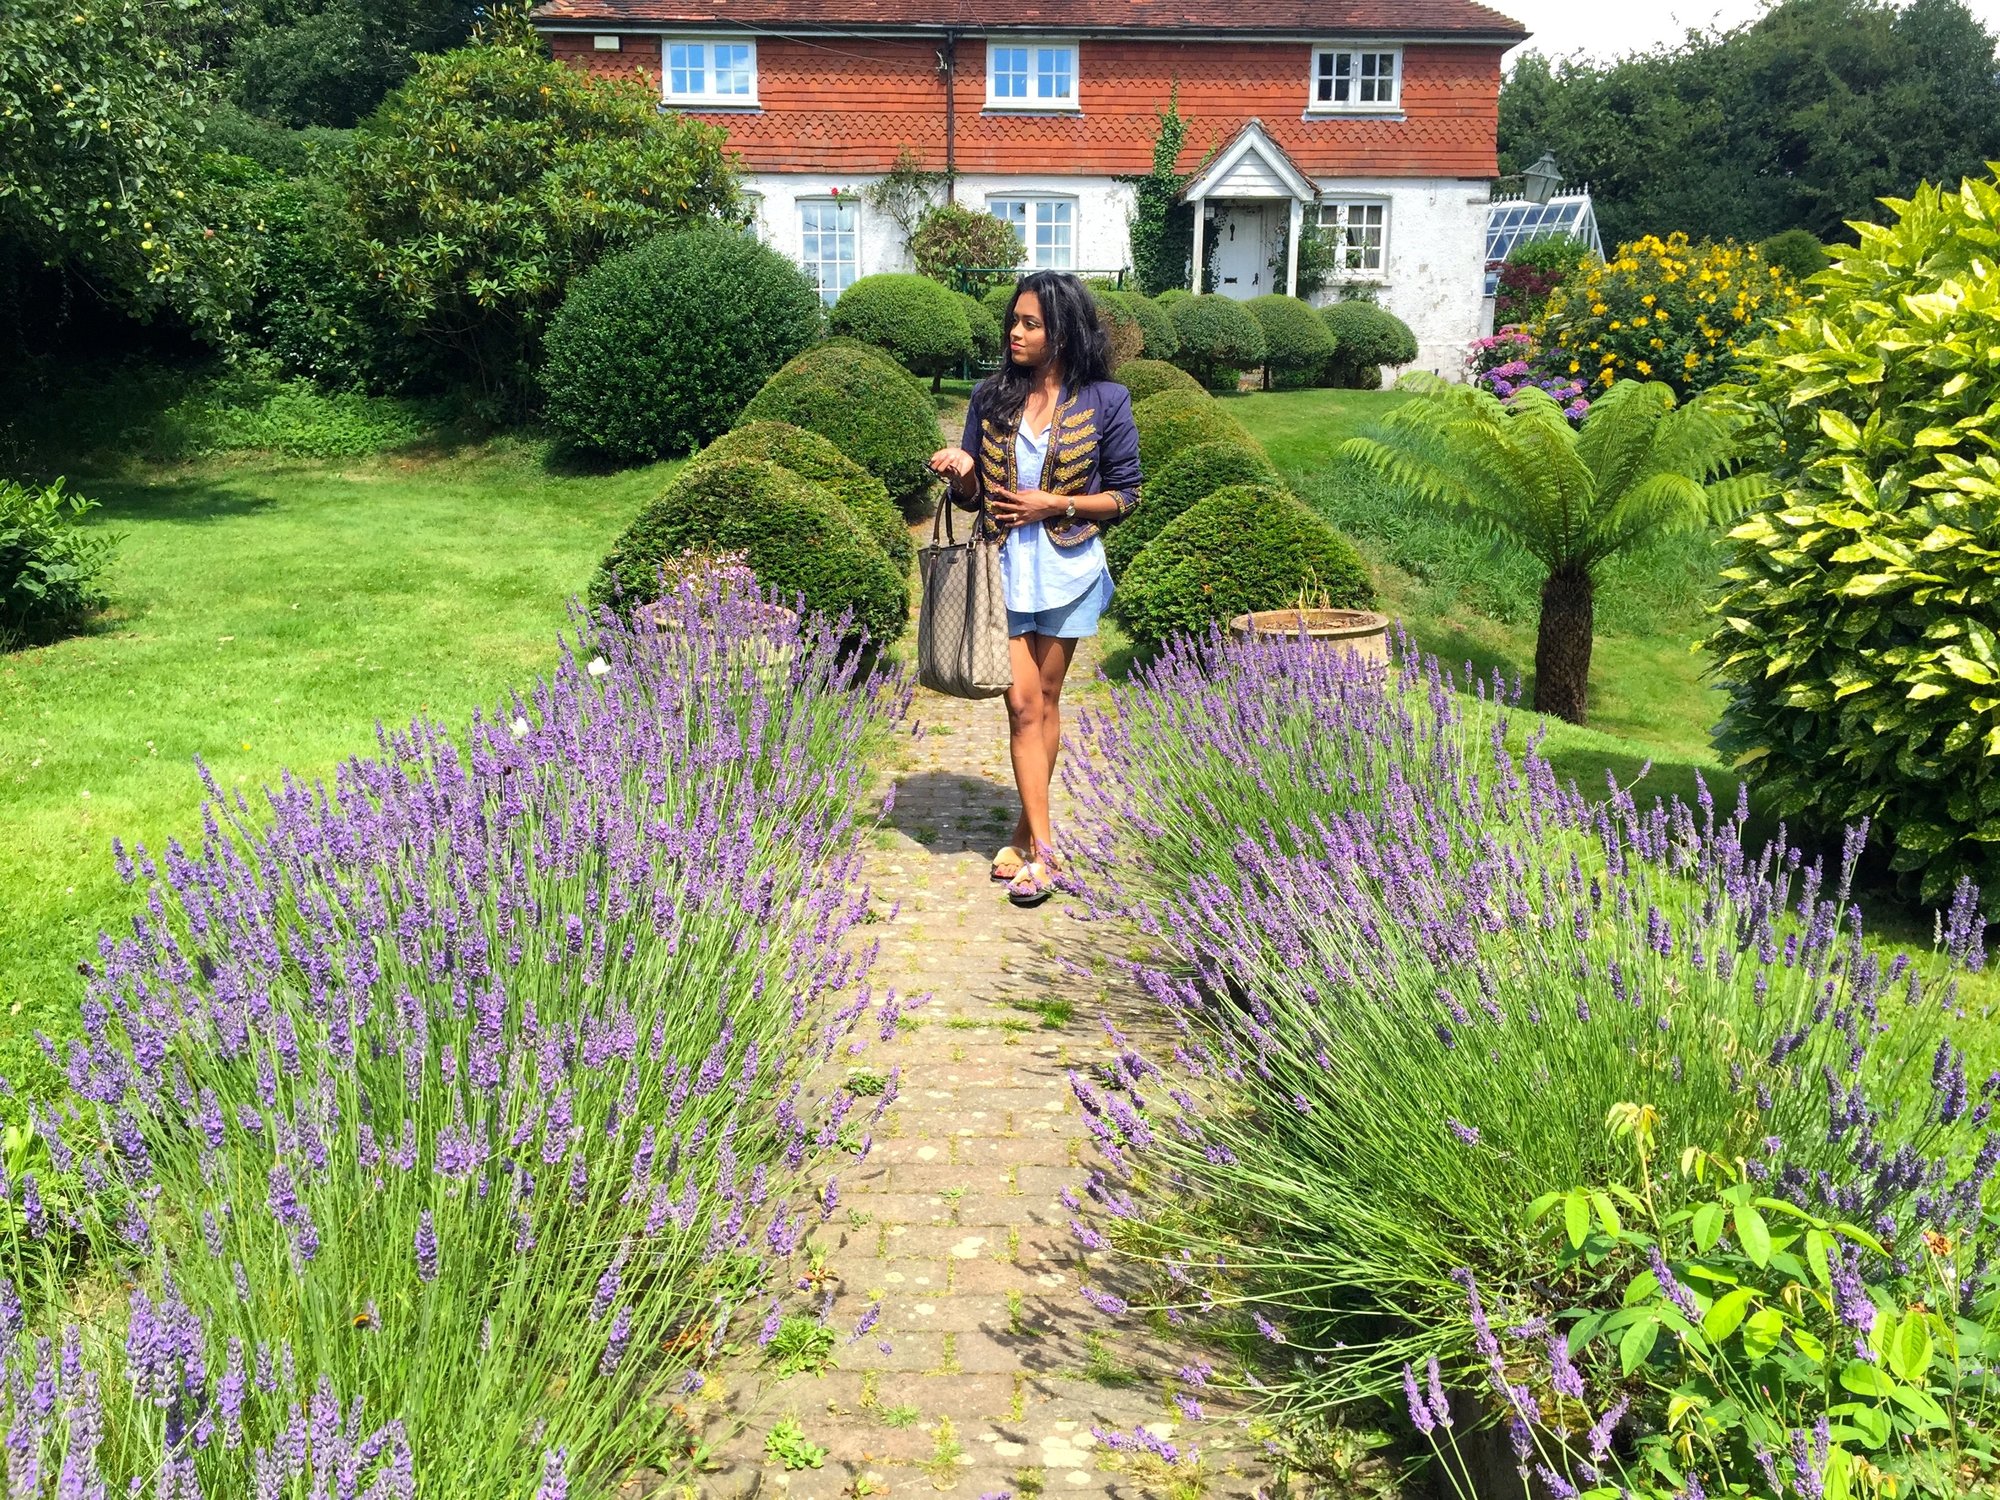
x=1103 y=214
x=1434 y=275
x=1433 y=279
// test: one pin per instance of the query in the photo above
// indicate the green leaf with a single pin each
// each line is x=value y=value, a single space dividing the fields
x=1762 y=1331
x=1726 y=1314
x=1864 y=1379
x=1542 y=1205
x=1868 y=1423
x=1753 y=1234
x=1606 y=1214
x=1637 y=1344
x=1911 y=1349
x=1576 y=1217
x=1707 y=1226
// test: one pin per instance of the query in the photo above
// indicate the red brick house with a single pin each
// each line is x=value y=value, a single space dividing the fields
x=1377 y=118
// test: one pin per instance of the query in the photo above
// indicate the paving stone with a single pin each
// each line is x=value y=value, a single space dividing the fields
x=954 y=1220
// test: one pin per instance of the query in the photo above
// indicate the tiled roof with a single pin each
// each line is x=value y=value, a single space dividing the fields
x=854 y=106
x=1388 y=18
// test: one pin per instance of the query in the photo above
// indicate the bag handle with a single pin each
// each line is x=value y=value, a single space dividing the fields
x=944 y=518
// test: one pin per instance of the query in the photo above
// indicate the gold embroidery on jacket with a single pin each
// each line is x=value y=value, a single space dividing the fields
x=1075 y=469
x=1076 y=419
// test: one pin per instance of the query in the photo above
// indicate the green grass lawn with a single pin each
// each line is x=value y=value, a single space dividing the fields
x=268 y=613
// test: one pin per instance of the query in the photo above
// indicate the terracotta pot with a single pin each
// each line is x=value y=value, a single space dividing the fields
x=1360 y=632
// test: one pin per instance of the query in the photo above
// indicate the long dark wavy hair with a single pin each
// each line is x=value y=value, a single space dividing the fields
x=1077 y=344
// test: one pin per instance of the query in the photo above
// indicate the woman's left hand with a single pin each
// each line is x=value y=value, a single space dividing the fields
x=1025 y=506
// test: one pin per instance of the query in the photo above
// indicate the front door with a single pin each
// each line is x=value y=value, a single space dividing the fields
x=1243 y=251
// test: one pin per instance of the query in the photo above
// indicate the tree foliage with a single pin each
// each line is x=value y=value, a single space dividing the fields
x=331 y=62
x=1799 y=120
x=951 y=236
x=495 y=175
x=101 y=166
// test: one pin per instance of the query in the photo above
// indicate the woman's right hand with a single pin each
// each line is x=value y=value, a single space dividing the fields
x=954 y=463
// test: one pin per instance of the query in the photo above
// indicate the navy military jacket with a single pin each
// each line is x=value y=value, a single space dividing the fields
x=1093 y=450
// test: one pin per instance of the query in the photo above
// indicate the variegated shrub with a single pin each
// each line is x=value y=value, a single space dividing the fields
x=1857 y=630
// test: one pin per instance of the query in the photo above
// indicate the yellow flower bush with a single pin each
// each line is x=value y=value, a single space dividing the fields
x=1669 y=310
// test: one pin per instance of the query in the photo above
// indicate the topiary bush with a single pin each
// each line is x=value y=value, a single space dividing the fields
x=1174 y=420
x=985 y=326
x=1297 y=346
x=811 y=456
x=1122 y=329
x=1183 y=481
x=1148 y=377
x=1218 y=338
x=1859 y=633
x=1796 y=252
x=637 y=365
x=1246 y=547
x=996 y=299
x=1365 y=338
x=1162 y=342
x=867 y=406
x=796 y=537
x=916 y=320
x=1170 y=296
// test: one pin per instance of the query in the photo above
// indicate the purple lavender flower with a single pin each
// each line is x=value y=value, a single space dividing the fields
x=555 y=1481
x=1675 y=1292
x=1468 y=1135
x=427 y=1248
x=615 y=1344
x=1420 y=1412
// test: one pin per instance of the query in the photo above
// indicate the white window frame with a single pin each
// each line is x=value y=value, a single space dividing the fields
x=1030 y=202
x=812 y=268
x=1332 y=214
x=1361 y=63
x=707 y=96
x=1034 y=101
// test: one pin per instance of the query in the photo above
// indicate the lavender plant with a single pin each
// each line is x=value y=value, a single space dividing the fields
x=478 y=1087
x=1409 y=976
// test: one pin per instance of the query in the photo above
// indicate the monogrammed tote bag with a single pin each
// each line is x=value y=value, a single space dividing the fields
x=962 y=630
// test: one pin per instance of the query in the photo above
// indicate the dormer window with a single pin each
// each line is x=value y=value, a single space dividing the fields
x=1356 y=79
x=1031 y=75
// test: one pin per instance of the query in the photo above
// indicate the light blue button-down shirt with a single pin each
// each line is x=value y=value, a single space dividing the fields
x=1035 y=573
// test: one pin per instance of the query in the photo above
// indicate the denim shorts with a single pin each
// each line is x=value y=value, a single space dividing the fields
x=1067 y=622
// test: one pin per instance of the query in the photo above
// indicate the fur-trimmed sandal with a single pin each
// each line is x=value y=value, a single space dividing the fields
x=1007 y=863
x=1033 y=885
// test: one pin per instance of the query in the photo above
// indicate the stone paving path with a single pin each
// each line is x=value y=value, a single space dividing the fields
x=986 y=1371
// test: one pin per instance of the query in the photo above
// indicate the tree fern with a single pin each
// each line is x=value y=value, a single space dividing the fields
x=1639 y=467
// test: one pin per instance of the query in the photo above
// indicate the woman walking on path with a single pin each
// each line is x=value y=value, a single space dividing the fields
x=1049 y=458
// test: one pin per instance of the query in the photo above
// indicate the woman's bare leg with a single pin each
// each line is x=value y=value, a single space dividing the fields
x=1049 y=657
x=1027 y=741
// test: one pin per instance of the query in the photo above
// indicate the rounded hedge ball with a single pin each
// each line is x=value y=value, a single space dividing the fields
x=796 y=536
x=1365 y=338
x=1148 y=377
x=1218 y=338
x=1246 y=547
x=1183 y=481
x=918 y=321
x=654 y=351
x=811 y=456
x=1296 y=343
x=1174 y=420
x=1158 y=324
x=984 y=323
x=867 y=406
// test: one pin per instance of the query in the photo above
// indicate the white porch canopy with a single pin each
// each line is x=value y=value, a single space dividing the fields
x=1256 y=167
